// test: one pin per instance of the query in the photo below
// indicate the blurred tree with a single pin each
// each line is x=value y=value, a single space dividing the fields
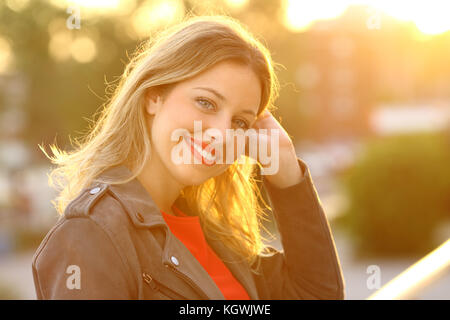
x=399 y=193
x=62 y=88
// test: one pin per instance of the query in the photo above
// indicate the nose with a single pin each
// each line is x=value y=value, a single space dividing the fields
x=216 y=129
x=218 y=126
x=223 y=142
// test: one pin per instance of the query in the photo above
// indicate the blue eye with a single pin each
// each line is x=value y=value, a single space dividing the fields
x=244 y=125
x=205 y=104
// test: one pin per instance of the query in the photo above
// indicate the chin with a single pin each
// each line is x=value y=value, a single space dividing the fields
x=190 y=176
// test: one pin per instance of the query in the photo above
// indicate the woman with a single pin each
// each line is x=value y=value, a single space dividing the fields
x=136 y=223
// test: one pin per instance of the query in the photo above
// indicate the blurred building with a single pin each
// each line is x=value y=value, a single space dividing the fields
x=336 y=79
x=394 y=118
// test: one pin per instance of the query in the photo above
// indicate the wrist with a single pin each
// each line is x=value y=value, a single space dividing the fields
x=289 y=173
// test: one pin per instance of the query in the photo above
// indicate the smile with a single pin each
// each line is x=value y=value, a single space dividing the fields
x=202 y=151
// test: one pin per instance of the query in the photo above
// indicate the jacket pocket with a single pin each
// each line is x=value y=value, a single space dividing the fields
x=159 y=290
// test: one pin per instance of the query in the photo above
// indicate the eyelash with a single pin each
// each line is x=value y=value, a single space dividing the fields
x=212 y=104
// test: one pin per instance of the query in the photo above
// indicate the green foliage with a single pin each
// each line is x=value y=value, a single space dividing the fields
x=398 y=192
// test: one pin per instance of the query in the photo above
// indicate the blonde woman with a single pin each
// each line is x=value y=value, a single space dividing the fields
x=136 y=224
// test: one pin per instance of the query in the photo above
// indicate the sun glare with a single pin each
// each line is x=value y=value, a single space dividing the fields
x=98 y=7
x=97 y=4
x=430 y=17
x=300 y=15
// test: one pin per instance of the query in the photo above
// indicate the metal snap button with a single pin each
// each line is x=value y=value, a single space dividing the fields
x=94 y=190
x=147 y=277
x=174 y=260
x=140 y=217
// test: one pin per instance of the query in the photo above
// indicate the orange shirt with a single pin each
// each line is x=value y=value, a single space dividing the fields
x=188 y=230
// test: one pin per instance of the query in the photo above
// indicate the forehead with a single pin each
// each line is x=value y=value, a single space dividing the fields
x=237 y=83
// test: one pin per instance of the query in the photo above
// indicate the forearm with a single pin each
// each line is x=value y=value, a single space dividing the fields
x=306 y=237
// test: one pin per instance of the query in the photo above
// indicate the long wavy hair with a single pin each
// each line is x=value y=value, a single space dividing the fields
x=228 y=205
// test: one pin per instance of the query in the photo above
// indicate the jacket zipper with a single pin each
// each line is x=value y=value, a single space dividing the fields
x=157 y=286
x=189 y=280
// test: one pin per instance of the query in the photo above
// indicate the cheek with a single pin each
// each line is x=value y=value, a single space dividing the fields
x=167 y=134
x=160 y=134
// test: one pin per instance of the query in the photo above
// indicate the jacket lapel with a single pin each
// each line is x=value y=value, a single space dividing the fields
x=238 y=267
x=145 y=214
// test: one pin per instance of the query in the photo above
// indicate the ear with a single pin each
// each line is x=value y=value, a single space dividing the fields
x=153 y=102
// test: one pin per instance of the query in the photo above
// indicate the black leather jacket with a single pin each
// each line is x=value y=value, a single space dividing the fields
x=114 y=239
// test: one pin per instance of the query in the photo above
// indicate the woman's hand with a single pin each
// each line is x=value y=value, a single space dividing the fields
x=289 y=171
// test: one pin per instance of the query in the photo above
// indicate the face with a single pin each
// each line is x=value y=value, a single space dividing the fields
x=226 y=96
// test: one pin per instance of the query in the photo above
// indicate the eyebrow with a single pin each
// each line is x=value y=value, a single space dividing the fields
x=221 y=97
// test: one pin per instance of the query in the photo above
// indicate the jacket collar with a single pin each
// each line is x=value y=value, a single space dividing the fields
x=144 y=213
x=138 y=203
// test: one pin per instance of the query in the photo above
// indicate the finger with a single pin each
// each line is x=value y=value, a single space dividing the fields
x=266 y=113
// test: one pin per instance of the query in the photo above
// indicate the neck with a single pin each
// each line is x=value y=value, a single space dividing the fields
x=160 y=184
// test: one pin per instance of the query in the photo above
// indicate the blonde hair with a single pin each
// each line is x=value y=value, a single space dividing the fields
x=228 y=205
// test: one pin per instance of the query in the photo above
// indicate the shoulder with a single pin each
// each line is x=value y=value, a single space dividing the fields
x=99 y=205
x=93 y=219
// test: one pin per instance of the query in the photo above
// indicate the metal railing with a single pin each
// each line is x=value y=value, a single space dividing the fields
x=412 y=281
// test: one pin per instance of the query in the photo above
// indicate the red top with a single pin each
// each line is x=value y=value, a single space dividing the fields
x=188 y=230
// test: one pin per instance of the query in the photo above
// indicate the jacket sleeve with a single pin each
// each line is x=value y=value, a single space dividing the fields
x=308 y=266
x=78 y=260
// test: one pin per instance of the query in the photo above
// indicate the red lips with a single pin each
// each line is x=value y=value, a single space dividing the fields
x=205 y=146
